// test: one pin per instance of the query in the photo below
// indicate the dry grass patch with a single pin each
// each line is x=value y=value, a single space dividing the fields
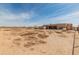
x=43 y=42
x=17 y=41
x=32 y=43
x=30 y=38
x=27 y=33
x=29 y=44
x=58 y=32
x=42 y=36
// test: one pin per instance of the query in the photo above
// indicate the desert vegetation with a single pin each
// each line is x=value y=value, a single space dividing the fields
x=36 y=41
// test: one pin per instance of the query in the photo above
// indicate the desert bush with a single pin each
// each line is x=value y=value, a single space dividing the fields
x=28 y=33
x=16 y=43
x=50 y=32
x=42 y=36
x=17 y=39
x=32 y=49
x=30 y=38
x=29 y=44
x=59 y=32
x=32 y=43
x=41 y=41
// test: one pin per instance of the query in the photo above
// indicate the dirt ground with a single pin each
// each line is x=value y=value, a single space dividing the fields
x=23 y=41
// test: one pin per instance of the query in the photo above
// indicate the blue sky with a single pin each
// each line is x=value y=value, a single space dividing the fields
x=31 y=14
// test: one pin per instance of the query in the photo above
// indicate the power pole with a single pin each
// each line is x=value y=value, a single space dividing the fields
x=74 y=41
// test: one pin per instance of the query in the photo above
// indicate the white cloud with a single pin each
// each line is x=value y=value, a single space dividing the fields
x=6 y=15
x=8 y=18
x=68 y=18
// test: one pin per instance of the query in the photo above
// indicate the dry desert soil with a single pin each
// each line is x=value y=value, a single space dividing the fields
x=23 y=41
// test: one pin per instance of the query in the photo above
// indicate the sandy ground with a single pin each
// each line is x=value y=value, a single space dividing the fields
x=15 y=41
x=76 y=47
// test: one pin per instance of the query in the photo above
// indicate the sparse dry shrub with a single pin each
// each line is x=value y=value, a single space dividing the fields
x=32 y=43
x=26 y=45
x=50 y=32
x=28 y=33
x=17 y=41
x=41 y=31
x=41 y=41
x=59 y=32
x=29 y=44
x=30 y=38
x=31 y=49
x=42 y=36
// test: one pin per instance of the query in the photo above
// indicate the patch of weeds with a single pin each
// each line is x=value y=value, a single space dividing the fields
x=42 y=36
